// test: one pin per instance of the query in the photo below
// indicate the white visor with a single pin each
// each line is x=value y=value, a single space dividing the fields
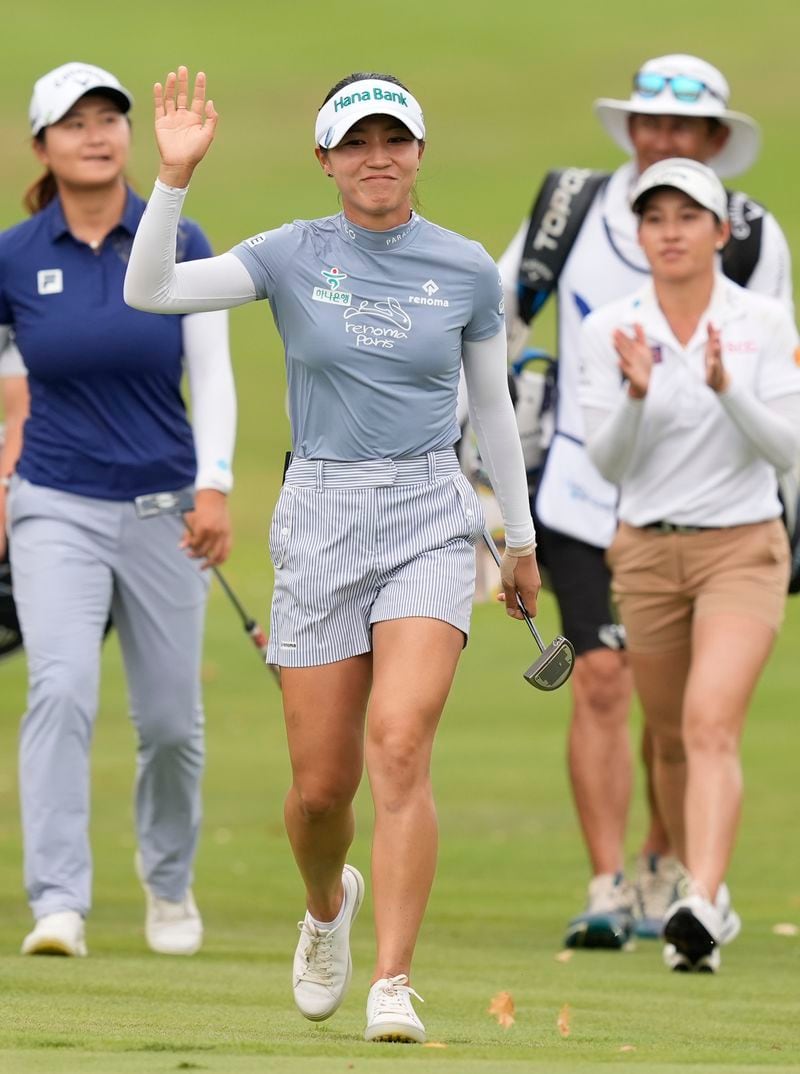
x=696 y=180
x=370 y=97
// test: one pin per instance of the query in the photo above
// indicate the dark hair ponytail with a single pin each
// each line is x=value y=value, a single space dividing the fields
x=43 y=190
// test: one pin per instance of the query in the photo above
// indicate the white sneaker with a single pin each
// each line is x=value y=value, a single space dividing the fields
x=693 y=925
x=170 y=928
x=62 y=933
x=322 y=963
x=390 y=1015
x=656 y=888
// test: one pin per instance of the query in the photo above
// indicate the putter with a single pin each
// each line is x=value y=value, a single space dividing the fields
x=554 y=666
x=179 y=503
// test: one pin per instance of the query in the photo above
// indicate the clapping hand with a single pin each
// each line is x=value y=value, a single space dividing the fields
x=183 y=131
x=716 y=375
x=635 y=360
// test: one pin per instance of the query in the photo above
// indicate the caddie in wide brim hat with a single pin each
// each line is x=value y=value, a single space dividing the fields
x=680 y=85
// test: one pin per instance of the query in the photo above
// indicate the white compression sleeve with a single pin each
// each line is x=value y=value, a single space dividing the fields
x=772 y=427
x=155 y=283
x=492 y=415
x=611 y=435
x=208 y=367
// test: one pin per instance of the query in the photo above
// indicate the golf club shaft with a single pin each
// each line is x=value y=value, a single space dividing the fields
x=254 y=631
x=489 y=542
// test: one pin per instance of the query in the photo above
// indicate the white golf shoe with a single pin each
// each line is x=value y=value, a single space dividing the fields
x=322 y=963
x=695 y=929
x=61 y=933
x=170 y=928
x=390 y=1015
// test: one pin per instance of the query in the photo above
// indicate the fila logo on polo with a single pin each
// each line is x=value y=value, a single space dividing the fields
x=430 y=287
x=334 y=276
x=50 y=281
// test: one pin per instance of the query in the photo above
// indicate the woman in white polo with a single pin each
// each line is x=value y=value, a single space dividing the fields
x=372 y=538
x=691 y=395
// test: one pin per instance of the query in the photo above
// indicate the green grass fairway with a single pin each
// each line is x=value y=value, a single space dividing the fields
x=507 y=90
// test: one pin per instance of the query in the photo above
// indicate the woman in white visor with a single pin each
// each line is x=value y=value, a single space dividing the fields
x=373 y=536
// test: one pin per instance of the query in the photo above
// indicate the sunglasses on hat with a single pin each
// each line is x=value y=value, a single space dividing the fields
x=689 y=90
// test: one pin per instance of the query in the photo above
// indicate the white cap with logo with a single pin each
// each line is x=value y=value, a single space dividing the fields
x=680 y=85
x=57 y=91
x=369 y=97
x=696 y=180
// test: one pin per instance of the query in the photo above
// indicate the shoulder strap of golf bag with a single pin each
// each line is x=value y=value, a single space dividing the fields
x=559 y=209
x=743 y=250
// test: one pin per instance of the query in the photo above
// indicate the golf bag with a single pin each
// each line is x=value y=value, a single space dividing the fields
x=10 y=633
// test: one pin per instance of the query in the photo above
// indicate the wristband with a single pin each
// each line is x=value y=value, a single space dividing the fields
x=518 y=553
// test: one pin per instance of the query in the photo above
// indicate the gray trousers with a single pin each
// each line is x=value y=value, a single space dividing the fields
x=73 y=559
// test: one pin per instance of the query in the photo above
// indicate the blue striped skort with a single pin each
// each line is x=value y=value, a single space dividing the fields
x=356 y=543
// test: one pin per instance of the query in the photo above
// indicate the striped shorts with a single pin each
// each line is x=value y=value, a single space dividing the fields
x=357 y=543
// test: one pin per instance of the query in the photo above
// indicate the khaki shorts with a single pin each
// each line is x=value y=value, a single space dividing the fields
x=662 y=581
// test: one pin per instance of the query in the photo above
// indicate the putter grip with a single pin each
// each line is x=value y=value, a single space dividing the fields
x=257 y=635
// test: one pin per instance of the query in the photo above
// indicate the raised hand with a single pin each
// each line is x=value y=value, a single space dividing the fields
x=183 y=131
x=716 y=375
x=635 y=360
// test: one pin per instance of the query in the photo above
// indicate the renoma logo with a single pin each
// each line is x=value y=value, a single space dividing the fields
x=334 y=276
x=430 y=287
x=395 y=327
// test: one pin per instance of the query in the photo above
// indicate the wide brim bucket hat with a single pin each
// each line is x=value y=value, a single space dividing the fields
x=710 y=100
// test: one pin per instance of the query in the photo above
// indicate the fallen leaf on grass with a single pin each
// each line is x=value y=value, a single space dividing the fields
x=563 y=1021
x=434 y=1044
x=784 y=928
x=565 y=955
x=502 y=1007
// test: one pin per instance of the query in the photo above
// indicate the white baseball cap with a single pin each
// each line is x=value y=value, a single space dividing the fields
x=57 y=91
x=697 y=180
x=680 y=85
x=369 y=97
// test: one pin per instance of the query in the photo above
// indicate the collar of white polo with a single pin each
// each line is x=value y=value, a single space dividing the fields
x=369 y=97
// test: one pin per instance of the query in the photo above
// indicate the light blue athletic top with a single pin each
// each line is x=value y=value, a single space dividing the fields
x=372 y=323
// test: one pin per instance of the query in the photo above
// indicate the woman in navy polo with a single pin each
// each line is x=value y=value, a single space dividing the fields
x=107 y=424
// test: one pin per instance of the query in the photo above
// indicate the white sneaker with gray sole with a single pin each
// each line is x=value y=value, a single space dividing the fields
x=390 y=1015
x=322 y=962
x=62 y=933
x=170 y=928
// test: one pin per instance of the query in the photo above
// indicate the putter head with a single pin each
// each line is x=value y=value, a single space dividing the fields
x=153 y=504
x=553 y=667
